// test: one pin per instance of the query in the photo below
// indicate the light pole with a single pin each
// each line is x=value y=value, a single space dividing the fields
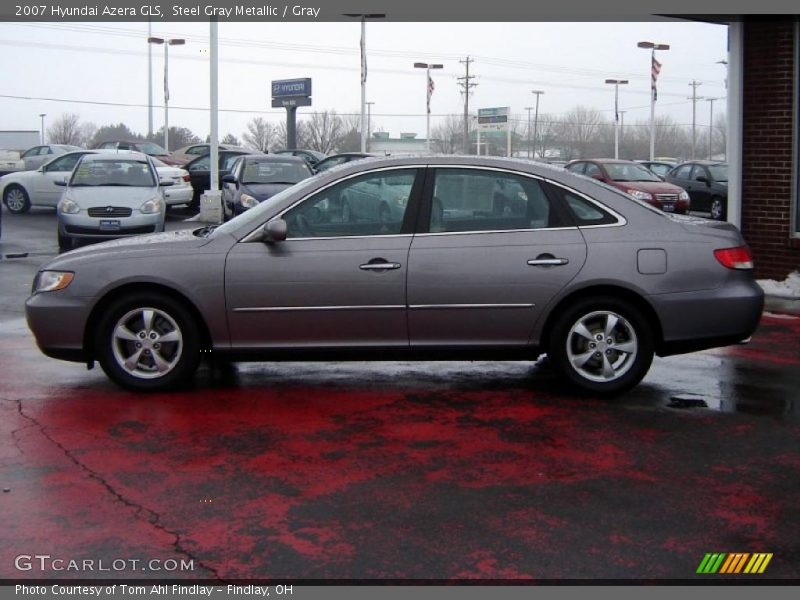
x=711 y=124
x=364 y=17
x=167 y=43
x=369 y=122
x=655 y=68
x=536 y=119
x=616 y=83
x=428 y=94
x=149 y=81
x=622 y=126
x=42 y=115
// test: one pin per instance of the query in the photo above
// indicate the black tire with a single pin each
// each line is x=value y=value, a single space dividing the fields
x=632 y=332
x=169 y=315
x=64 y=242
x=717 y=209
x=16 y=199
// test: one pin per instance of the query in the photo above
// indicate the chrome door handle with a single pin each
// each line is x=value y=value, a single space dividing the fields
x=548 y=262
x=382 y=266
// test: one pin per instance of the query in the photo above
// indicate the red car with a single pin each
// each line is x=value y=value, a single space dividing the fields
x=634 y=179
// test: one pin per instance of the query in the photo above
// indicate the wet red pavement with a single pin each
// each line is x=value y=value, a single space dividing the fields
x=411 y=471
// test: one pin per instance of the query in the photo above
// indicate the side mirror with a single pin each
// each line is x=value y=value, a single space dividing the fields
x=704 y=179
x=61 y=182
x=165 y=183
x=274 y=231
x=229 y=178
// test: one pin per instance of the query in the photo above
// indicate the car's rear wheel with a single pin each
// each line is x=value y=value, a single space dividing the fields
x=148 y=342
x=602 y=345
x=717 y=208
x=16 y=200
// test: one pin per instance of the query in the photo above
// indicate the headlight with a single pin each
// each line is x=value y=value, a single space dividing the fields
x=248 y=201
x=151 y=207
x=640 y=195
x=50 y=281
x=68 y=207
x=684 y=195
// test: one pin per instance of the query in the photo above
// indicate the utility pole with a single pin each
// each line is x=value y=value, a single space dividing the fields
x=466 y=86
x=529 y=109
x=536 y=119
x=711 y=125
x=694 y=98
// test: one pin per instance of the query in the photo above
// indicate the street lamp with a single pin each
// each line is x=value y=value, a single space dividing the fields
x=42 y=115
x=536 y=119
x=654 y=70
x=616 y=83
x=428 y=93
x=369 y=122
x=711 y=125
x=529 y=109
x=364 y=17
x=167 y=43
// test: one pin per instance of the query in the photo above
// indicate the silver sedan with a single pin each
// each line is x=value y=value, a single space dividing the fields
x=483 y=258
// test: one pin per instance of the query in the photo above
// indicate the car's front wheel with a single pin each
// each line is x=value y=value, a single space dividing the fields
x=148 y=342
x=16 y=200
x=602 y=345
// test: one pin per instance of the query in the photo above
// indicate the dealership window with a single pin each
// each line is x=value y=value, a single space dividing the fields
x=796 y=228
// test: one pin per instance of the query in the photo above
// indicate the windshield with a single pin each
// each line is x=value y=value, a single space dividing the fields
x=273 y=171
x=151 y=148
x=120 y=172
x=250 y=219
x=719 y=172
x=629 y=172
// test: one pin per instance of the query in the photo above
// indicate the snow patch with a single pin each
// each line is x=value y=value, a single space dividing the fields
x=789 y=289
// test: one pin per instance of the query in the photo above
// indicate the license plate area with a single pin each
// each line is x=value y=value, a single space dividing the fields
x=668 y=208
x=109 y=225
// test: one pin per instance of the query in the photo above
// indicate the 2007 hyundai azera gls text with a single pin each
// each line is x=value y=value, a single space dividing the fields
x=434 y=258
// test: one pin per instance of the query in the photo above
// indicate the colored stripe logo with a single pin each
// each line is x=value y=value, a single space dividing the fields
x=734 y=563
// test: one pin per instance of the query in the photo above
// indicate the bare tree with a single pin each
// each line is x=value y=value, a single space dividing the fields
x=301 y=135
x=231 y=139
x=448 y=135
x=350 y=140
x=579 y=130
x=324 y=131
x=88 y=132
x=260 y=135
x=65 y=130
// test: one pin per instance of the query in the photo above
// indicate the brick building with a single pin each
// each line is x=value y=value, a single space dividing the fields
x=763 y=139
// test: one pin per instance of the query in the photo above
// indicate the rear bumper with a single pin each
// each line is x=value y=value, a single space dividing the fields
x=698 y=320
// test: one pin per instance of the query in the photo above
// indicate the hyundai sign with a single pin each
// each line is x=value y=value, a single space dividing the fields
x=287 y=88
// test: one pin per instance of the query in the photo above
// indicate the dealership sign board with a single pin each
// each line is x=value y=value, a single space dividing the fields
x=493 y=119
x=291 y=92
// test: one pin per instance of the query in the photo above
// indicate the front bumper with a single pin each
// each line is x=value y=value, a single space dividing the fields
x=82 y=225
x=58 y=323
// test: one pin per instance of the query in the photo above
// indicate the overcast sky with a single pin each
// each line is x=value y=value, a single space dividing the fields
x=107 y=62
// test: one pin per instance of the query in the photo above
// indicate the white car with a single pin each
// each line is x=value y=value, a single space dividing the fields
x=10 y=162
x=38 y=155
x=181 y=190
x=41 y=187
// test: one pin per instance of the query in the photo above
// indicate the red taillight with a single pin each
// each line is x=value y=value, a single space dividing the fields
x=735 y=258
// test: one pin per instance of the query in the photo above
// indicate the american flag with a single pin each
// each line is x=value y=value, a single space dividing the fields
x=654 y=76
x=430 y=92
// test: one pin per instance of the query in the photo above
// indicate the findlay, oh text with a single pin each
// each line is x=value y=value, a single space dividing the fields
x=136 y=590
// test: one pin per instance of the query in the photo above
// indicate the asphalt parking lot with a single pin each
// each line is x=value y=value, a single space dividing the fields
x=401 y=471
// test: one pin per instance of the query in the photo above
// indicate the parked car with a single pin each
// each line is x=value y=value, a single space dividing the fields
x=312 y=157
x=189 y=153
x=575 y=269
x=10 y=162
x=339 y=159
x=180 y=192
x=38 y=155
x=110 y=196
x=200 y=172
x=20 y=191
x=706 y=182
x=635 y=180
x=40 y=187
x=658 y=167
x=148 y=148
x=256 y=177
